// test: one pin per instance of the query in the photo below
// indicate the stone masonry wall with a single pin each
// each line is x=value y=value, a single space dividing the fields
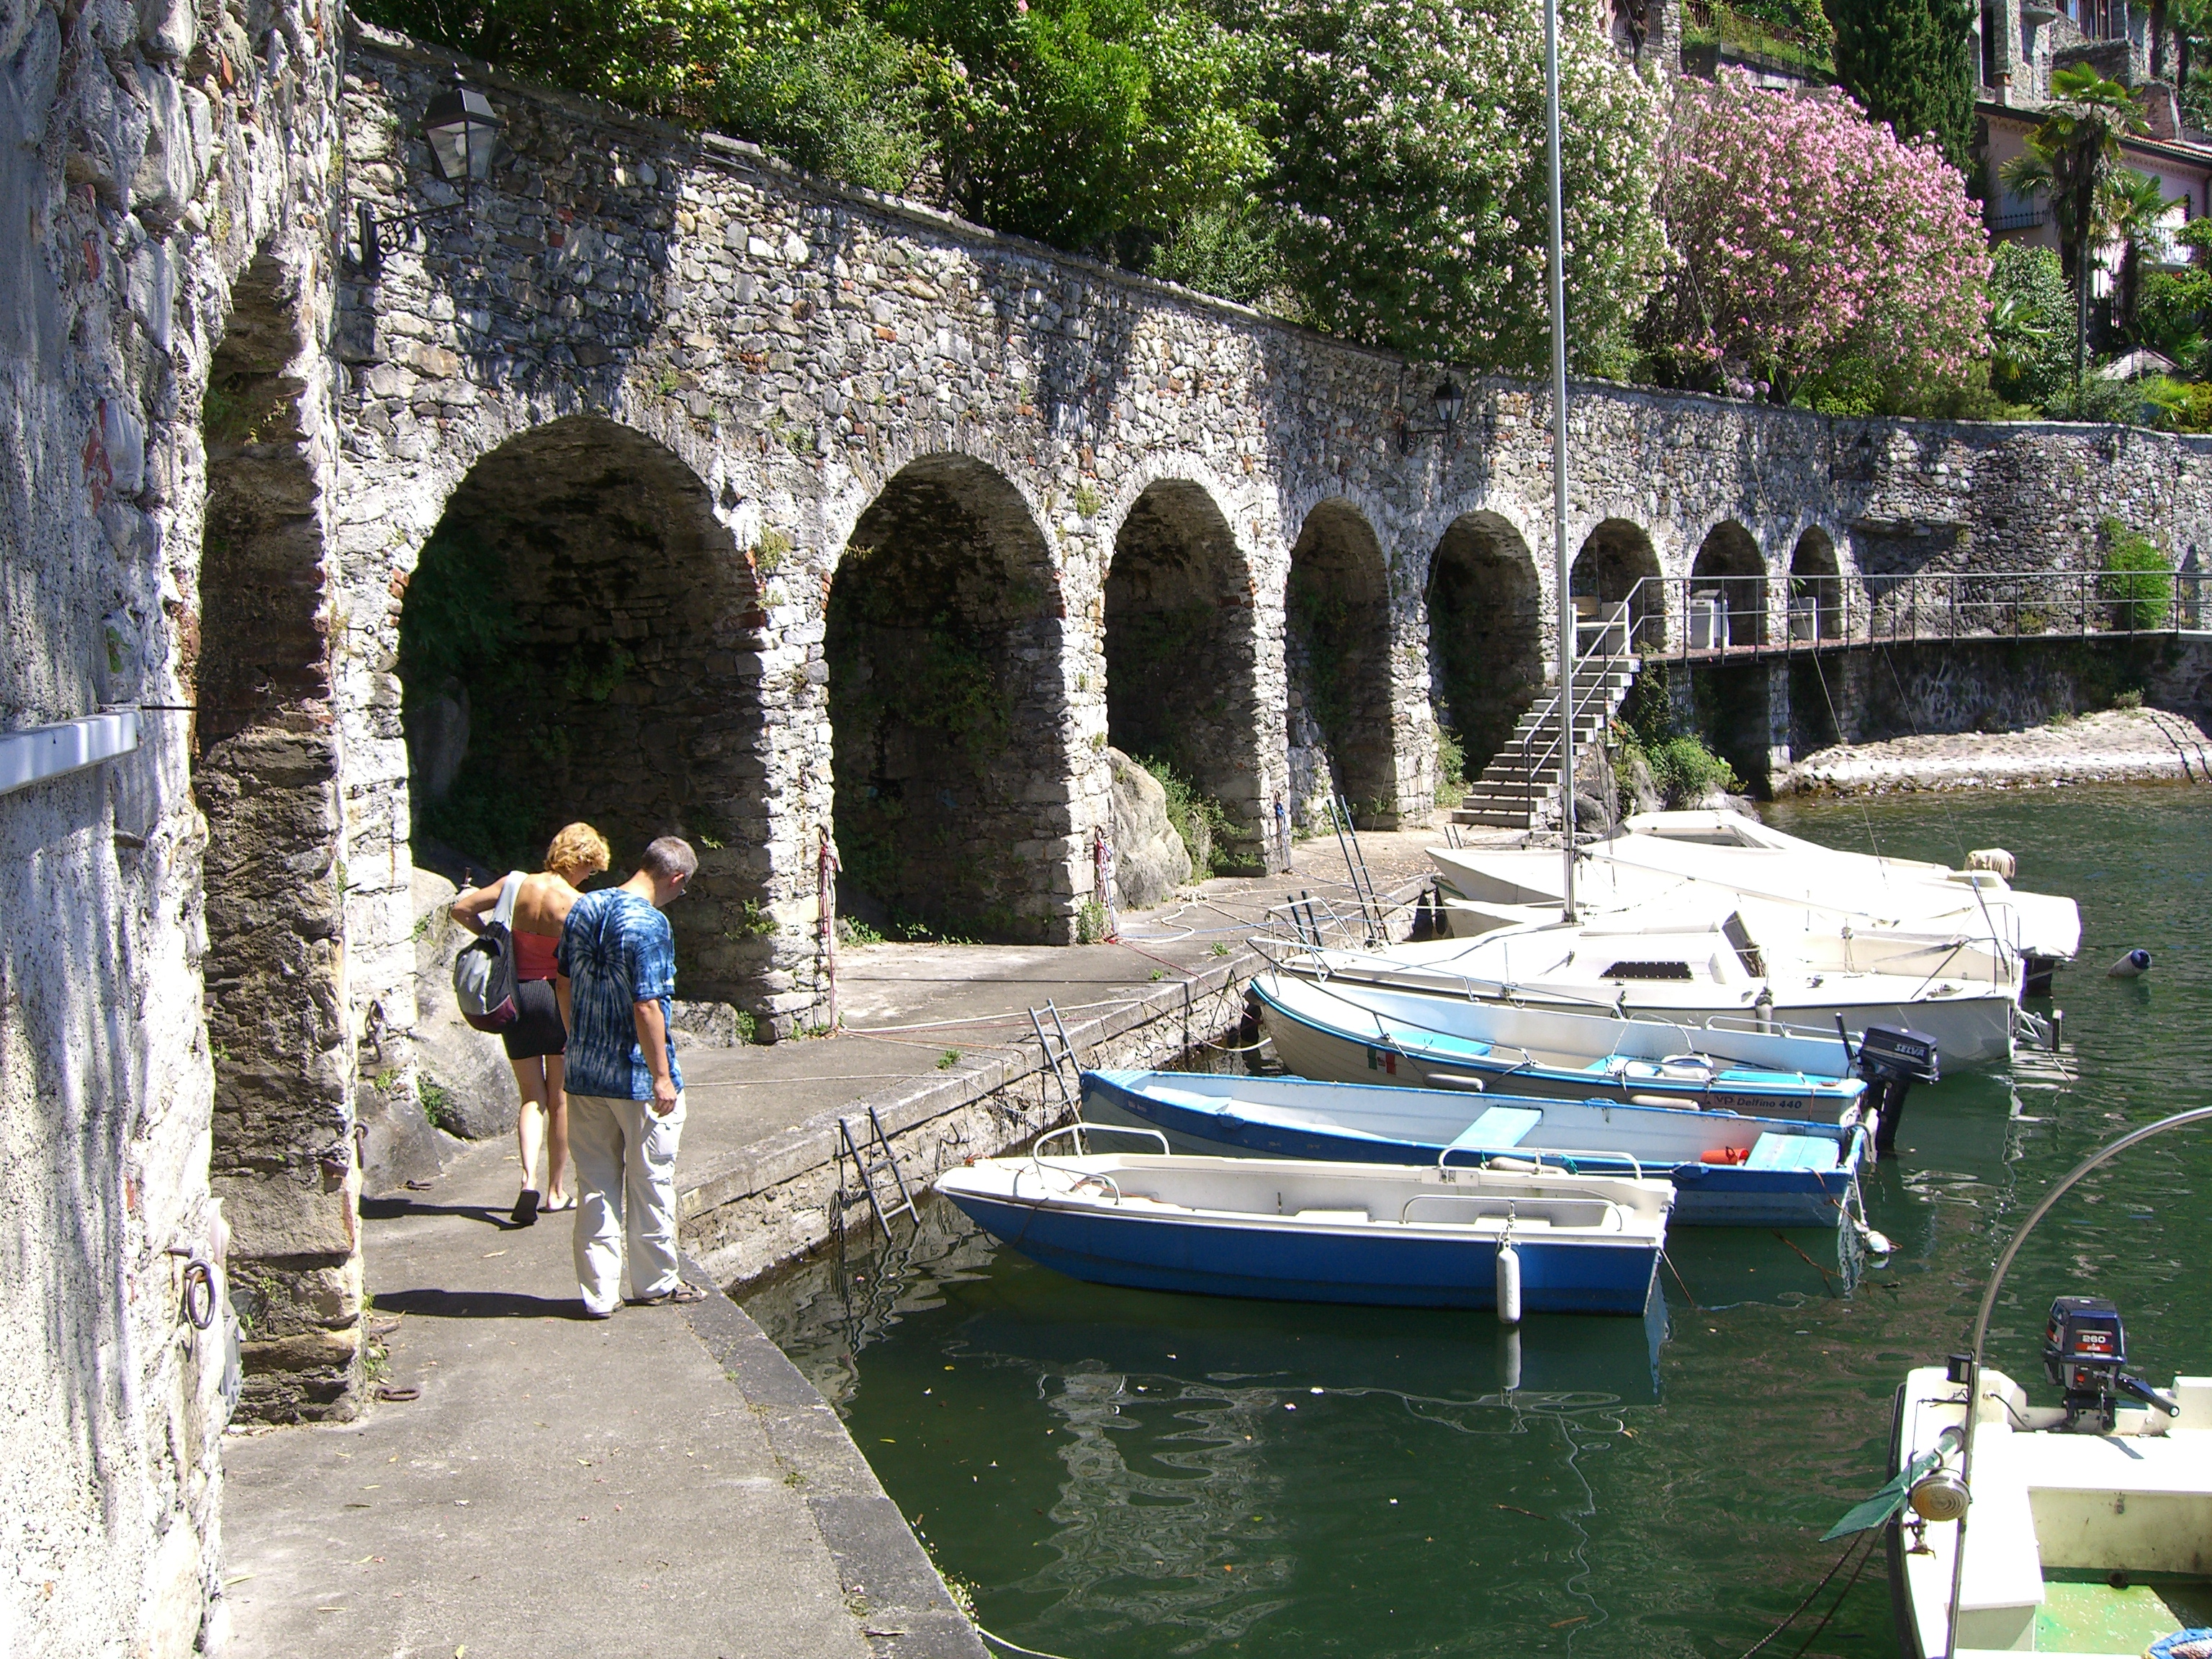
x=150 y=155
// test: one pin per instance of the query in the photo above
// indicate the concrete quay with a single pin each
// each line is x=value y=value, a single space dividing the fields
x=666 y=1482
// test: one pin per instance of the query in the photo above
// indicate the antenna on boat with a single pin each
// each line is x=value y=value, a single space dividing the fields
x=1559 y=459
x=1973 y=1360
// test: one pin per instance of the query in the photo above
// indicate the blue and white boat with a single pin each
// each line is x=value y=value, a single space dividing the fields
x=1296 y=1231
x=1349 y=1032
x=1726 y=1170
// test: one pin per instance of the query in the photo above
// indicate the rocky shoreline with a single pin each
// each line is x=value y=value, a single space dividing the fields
x=2116 y=745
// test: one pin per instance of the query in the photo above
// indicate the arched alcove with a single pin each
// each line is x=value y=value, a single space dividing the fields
x=954 y=784
x=571 y=646
x=265 y=774
x=1180 y=657
x=1815 y=579
x=1617 y=562
x=1486 y=633
x=1337 y=654
x=1729 y=570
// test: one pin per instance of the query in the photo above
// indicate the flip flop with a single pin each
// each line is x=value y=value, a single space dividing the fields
x=525 y=1207
x=566 y=1201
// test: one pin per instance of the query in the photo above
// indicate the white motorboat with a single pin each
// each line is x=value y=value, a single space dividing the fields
x=2082 y=1528
x=2092 y=1538
x=1688 y=967
x=1833 y=908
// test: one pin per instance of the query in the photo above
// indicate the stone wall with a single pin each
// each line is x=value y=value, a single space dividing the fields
x=160 y=194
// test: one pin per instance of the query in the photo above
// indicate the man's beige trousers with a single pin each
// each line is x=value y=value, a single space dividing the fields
x=626 y=1191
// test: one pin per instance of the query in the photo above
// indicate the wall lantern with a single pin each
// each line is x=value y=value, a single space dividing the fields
x=1448 y=400
x=461 y=129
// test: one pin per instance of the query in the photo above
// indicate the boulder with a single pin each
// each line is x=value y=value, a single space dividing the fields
x=462 y=1077
x=1150 y=861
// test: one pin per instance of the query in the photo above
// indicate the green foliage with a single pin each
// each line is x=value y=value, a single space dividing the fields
x=1683 y=769
x=458 y=621
x=438 y=1105
x=1411 y=168
x=1909 y=62
x=1451 y=766
x=1080 y=122
x=851 y=930
x=1198 y=817
x=849 y=98
x=948 y=1059
x=1090 y=922
x=2137 y=582
x=2031 y=322
x=595 y=671
x=2173 y=313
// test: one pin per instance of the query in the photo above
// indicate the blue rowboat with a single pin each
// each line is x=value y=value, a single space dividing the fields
x=1348 y=1032
x=1789 y=1174
x=1295 y=1231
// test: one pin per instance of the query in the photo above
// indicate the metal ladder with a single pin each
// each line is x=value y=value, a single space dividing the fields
x=1058 y=1055
x=877 y=1146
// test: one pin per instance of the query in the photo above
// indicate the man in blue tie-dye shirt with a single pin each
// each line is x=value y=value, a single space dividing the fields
x=625 y=1093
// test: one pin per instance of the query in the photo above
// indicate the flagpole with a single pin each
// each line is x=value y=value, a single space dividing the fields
x=1561 y=568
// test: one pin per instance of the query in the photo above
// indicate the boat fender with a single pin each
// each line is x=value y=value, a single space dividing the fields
x=1724 y=1155
x=2133 y=965
x=1509 y=1284
x=1995 y=859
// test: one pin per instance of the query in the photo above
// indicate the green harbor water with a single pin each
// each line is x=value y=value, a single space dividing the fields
x=1117 y=1474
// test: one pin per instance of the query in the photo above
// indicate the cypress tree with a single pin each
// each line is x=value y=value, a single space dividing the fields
x=1909 y=62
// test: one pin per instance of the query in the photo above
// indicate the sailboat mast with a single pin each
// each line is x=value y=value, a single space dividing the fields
x=1559 y=459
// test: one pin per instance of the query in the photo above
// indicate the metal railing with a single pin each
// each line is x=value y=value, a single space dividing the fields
x=1715 y=618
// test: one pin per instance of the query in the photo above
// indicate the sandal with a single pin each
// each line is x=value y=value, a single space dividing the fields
x=565 y=1202
x=525 y=1208
x=683 y=1295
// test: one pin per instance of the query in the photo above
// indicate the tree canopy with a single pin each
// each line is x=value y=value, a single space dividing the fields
x=1910 y=63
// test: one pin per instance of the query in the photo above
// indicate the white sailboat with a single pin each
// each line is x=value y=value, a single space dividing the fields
x=1692 y=967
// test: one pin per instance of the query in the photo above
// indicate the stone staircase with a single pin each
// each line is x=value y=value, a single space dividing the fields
x=1522 y=777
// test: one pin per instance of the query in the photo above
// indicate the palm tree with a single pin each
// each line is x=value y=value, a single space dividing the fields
x=2072 y=153
x=2131 y=211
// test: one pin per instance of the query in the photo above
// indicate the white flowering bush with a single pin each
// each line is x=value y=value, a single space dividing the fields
x=1411 y=169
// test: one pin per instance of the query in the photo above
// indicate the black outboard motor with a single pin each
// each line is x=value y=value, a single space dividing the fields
x=1891 y=1061
x=2084 y=1346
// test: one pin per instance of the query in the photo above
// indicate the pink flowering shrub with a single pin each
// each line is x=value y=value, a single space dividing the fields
x=1809 y=244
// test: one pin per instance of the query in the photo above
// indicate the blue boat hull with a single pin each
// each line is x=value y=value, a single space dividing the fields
x=1203 y=1258
x=1706 y=1194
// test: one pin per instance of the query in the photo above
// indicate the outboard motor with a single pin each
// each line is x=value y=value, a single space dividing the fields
x=2084 y=1346
x=1891 y=1061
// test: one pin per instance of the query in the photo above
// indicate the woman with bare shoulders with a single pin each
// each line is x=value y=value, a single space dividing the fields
x=536 y=1040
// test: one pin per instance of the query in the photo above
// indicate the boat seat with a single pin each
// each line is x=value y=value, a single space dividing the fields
x=1189 y=1100
x=1773 y=1151
x=1498 y=1128
x=2002 y=1585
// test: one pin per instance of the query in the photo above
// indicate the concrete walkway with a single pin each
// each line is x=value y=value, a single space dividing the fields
x=661 y=1483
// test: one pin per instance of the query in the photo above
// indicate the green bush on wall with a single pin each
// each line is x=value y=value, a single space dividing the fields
x=2137 y=582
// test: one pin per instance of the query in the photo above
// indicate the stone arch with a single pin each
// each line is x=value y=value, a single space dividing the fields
x=953 y=779
x=1729 y=567
x=1182 y=656
x=1337 y=657
x=1816 y=576
x=1486 y=633
x=573 y=645
x=1617 y=562
x=264 y=774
